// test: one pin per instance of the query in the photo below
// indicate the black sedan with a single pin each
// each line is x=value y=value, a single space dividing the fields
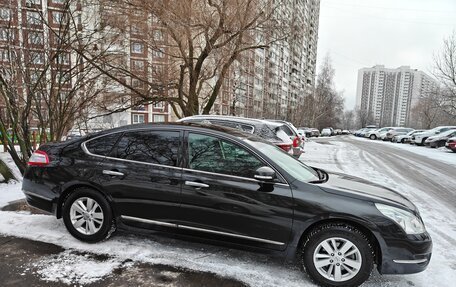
x=232 y=188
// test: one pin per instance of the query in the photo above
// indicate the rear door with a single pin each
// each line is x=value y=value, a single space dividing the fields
x=142 y=174
x=221 y=197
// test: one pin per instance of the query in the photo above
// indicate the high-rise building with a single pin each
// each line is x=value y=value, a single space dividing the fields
x=273 y=82
x=389 y=95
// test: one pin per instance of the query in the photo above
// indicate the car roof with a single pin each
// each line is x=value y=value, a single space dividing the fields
x=233 y=118
x=174 y=125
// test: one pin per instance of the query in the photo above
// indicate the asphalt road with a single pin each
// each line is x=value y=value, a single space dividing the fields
x=431 y=176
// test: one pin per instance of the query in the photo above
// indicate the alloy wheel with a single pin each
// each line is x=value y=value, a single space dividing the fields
x=337 y=259
x=86 y=215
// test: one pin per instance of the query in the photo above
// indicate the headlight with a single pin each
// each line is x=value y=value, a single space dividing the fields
x=409 y=222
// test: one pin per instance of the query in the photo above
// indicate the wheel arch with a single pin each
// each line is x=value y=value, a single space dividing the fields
x=360 y=226
x=77 y=185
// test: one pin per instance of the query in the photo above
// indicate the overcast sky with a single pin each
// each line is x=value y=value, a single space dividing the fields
x=363 y=33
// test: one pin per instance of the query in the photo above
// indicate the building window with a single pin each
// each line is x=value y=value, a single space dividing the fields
x=138 y=119
x=5 y=14
x=33 y=18
x=6 y=34
x=137 y=48
x=33 y=2
x=158 y=35
x=37 y=57
x=63 y=59
x=160 y=53
x=59 y=1
x=159 y=118
x=159 y=105
x=158 y=70
x=35 y=38
x=4 y=55
x=138 y=65
x=57 y=17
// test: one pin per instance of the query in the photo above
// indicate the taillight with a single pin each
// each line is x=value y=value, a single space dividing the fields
x=285 y=147
x=39 y=158
x=296 y=142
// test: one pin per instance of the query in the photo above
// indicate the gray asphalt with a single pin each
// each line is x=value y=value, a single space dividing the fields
x=431 y=176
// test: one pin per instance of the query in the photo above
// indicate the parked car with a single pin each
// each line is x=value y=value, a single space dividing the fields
x=363 y=132
x=292 y=132
x=307 y=131
x=302 y=134
x=345 y=132
x=337 y=131
x=326 y=133
x=451 y=144
x=374 y=134
x=405 y=138
x=440 y=139
x=73 y=134
x=271 y=131
x=420 y=138
x=396 y=131
x=315 y=132
x=234 y=188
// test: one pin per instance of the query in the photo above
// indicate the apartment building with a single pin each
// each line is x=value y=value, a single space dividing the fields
x=273 y=82
x=390 y=94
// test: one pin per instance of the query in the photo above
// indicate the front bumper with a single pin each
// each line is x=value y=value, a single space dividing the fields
x=406 y=256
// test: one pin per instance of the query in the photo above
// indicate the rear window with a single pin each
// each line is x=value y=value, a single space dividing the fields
x=287 y=130
x=157 y=147
x=102 y=145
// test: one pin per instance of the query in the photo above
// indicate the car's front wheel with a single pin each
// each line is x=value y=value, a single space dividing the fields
x=87 y=215
x=373 y=137
x=337 y=255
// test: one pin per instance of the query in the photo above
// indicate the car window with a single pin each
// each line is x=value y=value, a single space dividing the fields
x=102 y=145
x=247 y=128
x=287 y=130
x=207 y=153
x=158 y=147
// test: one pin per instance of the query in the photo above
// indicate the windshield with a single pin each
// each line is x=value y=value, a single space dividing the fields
x=292 y=166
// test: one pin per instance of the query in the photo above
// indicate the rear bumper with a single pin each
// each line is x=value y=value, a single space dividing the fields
x=39 y=196
x=408 y=256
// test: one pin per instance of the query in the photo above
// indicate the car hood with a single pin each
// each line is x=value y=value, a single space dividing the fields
x=353 y=186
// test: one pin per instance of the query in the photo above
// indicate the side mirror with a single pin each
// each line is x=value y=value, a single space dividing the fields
x=265 y=173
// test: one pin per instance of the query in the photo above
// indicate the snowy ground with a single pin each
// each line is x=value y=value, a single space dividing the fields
x=337 y=154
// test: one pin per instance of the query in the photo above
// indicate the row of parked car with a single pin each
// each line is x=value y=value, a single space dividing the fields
x=281 y=133
x=434 y=138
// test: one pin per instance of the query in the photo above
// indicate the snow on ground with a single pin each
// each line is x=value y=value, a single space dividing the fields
x=253 y=269
x=441 y=154
x=69 y=267
x=439 y=220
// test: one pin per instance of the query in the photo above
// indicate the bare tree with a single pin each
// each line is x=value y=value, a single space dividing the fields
x=363 y=117
x=445 y=71
x=194 y=44
x=44 y=83
x=324 y=108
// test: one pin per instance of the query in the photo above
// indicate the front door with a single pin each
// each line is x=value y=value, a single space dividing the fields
x=221 y=197
x=143 y=177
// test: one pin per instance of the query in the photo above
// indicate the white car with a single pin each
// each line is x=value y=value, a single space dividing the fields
x=420 y=138
x=325 y=133
x=440 y=139
x=375 y=134
x=405 y=138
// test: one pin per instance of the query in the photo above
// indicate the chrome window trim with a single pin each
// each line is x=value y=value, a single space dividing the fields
x=84 y=148
x=167 y=224
x=281 y=177
x=414 y=261
x=232 y=176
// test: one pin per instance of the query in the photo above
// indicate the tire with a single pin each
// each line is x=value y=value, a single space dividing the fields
x=363 y=255
x=94 y=227
x=422 y=141
x=373 y=137
x=402 y=140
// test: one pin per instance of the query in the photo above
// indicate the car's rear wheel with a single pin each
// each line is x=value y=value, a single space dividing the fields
x=87 y=215
x=373 y=137
x=337 y=255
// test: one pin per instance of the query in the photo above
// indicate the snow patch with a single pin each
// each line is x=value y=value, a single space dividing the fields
x=71 y=268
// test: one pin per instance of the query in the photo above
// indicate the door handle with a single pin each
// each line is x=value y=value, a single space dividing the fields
x=196 y=184
x=113 y=173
